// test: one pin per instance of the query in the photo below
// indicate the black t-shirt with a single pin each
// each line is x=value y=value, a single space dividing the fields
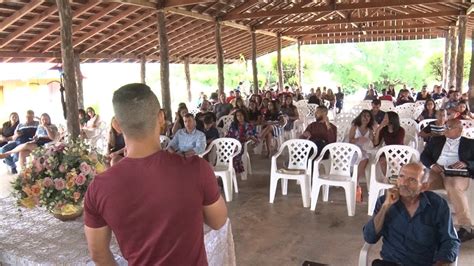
x=200 y=119
x=8 y=129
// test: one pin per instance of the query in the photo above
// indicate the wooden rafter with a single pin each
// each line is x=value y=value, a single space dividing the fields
x=336 y=7
x=120 y=28
x=27 y=26
x=19 y=14
x=55 y=27
x=363 y=19
x=379 y=35
x=242 y=8
x=403 y=26
x=105 y=25
x=84 y=24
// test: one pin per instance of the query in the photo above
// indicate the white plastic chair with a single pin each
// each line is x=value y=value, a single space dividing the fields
x=226 y=122
x=439 y=103
x=342 y=131
x=164 y=141
x=386 y=105
x=468 y=133
x=466 y=124
x=226 y=149
x=341 y=173
x=423 y=123
x=299 y=168
x=312 y=109
x=411 y=131
x=417 y=111
x=405 y=110
x=396 y=156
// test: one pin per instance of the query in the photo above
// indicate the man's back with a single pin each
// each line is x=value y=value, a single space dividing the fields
x=154 y=206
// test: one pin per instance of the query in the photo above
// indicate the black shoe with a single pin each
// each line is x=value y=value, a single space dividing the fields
x=465 y=235
x=14 y=171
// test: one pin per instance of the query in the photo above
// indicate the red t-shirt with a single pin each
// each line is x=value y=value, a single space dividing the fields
x=154 y=206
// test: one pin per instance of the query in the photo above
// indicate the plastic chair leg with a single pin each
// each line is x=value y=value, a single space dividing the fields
x=234 y=181
x=314 y=195
x=350 y=199
x=325 y=193
x=273 y=187
x=305 y=193
x=227 y=187
x=373 y=195
x=284 y=186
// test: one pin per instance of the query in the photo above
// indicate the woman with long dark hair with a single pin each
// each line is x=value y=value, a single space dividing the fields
x=179 y=121
x=272 y=125
x=389 y=130
x=290 y=111
x=429 y=112
x=243 y=131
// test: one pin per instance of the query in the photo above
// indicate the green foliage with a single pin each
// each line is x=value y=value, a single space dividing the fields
x=434 y=66
x=290 y=69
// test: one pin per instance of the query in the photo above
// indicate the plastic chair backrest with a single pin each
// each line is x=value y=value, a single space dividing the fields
x=468 y=133
x=298 y=153
x=439 y=103
x=226 y=149
x=194 y=111
x=341 y=155
x=342 y=129
x=226 y=122
x=312 y=109
x=344 y=118
x=326 y=103
x=420 y=103
x=410 y=125
x=164 y=141
x=417 y=112
x=356 y=109
x=423 y=123
x=466 y=124
x=396 y=156
x=386 y=105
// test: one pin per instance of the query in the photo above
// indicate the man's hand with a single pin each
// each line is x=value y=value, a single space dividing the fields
x=458 y=165
x=437 y=168
x=189 y=153
x=391 y=197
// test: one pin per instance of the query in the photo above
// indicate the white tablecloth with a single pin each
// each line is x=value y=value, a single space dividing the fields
x=35 y=237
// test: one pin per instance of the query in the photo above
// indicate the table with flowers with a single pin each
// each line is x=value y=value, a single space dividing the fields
x=35 y=237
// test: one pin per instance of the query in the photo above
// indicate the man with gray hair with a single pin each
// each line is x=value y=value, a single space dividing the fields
x=416 y=224
x=154 y=202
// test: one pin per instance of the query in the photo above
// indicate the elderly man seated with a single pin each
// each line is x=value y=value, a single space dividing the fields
x=188 y=141
x=416 y=224
x=452 y=151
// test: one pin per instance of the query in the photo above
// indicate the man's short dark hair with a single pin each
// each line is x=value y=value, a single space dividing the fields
x=188 y=115
x=323 y=108
x=136 y=108
x=208 y=119
x=376 y=102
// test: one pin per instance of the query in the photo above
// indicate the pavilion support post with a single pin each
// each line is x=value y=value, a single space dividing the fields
x=79 y=78
x=164 y=63
x=445 y=78
x=254 y=62
x=279 y=64
x=67 y=55
x=462 y=21
x=452 y=57
x=471 y=77
x=219 y=59
x=300 y=70
x=187 y=73
x=143 y=70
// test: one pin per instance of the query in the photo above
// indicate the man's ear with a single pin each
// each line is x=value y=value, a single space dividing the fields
x=161 y=121
x=116 y=125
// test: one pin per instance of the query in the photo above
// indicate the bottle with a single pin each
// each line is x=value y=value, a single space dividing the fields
x=359 y=194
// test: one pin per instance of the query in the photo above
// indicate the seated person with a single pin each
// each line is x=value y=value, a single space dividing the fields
x=429 y=111
x=423 y=95
x=290 y=111
x=453 y=100
x=385 y=96
x=89 y=130
x=222 y=107
x=243 y=131
x=8 y=129
x=452 y=151
x=273 y=125
x=463 y=111
x=46 y=132
x=404 y=97
x=210 y=130
x=188 y=141
x=83 y=118
x=24 y=132
x=416 y=225
x=438 y=93
x=204 y=111
x=435 y=128
x=254 y=115
x=376 y=112
x=179 y=119
x=321 y=132
x=116 y=144
x=371 y=95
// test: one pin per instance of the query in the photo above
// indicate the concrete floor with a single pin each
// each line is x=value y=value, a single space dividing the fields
x=285 y=233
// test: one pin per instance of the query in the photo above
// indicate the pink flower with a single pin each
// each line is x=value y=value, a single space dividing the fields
x=38 y=166
x=80 y=180
x=85 y=168
x=48 y=182
x=59 y=184
x=62 y=168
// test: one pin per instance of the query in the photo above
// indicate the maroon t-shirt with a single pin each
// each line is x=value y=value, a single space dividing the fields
x=154 y=206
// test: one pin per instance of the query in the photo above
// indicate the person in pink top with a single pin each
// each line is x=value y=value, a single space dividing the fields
x=153 y=201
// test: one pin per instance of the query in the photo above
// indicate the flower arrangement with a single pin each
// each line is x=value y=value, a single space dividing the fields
x=57 y=177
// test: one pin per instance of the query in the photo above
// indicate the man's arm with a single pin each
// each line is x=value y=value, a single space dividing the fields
x=98 y=242
x=373 y=229
x=426 y=156
x=449 y=243
x=173 y=145
x=200 y=143
x=215 y=215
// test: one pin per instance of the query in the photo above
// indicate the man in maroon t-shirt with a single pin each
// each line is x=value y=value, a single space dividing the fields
x=154 y=202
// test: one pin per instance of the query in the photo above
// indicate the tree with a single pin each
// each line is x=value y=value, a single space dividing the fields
x=434 y=66
x=290 y=69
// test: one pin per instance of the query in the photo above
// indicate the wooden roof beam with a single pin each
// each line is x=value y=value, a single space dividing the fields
x=192 y=45
x=405 y=26
x=335 y=7
x=243 y=7
x=84 y=8
x=381 y=35
x=84 y=24
x=363 y=19
x=105 y=25
x=19 y=14
x=27 y=26
x=121 y=28
x=138 y=39
x=226 y=41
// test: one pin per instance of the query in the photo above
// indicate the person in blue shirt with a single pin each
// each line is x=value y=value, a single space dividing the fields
x=416 y=225
x=188 y=141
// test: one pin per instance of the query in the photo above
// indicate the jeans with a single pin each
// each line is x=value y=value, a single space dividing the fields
x=10 y=160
